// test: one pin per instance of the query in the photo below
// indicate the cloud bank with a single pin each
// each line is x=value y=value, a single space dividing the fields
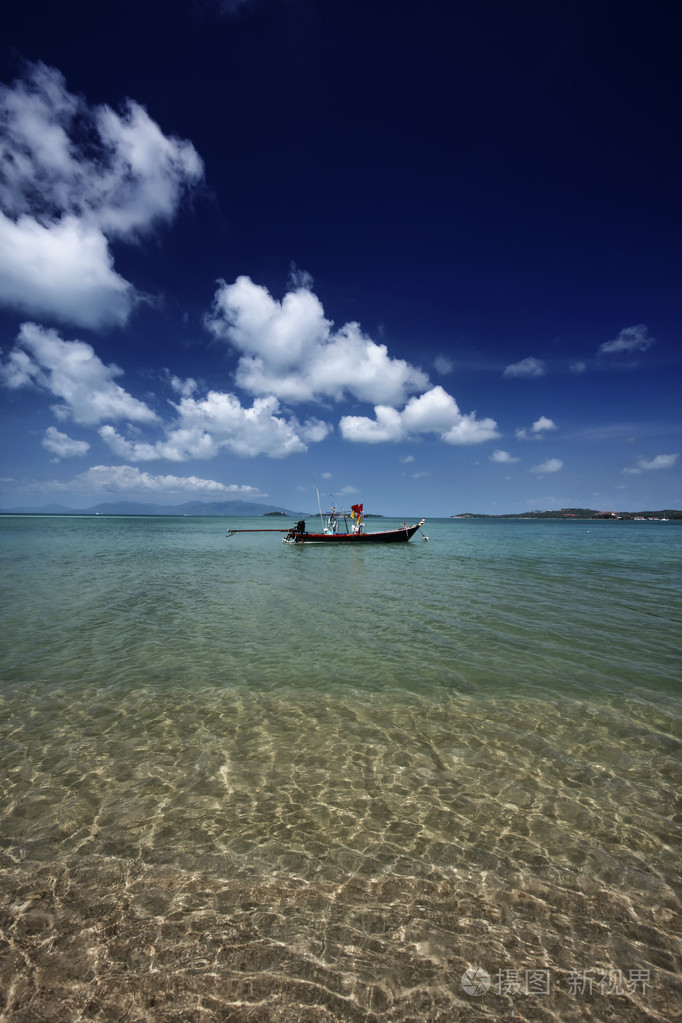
x=128 y=479
x=199 y=427
x=288 y=354
x=290 y=350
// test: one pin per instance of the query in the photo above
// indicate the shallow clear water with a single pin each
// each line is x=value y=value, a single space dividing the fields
x=243 y=781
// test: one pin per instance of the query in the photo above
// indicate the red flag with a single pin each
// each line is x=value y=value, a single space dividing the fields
x=357 y=509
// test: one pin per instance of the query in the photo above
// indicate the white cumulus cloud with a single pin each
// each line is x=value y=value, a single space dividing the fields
x=63 y=446
x=75 y=177
x=503 y=457
x=386 y=426
x=203 y=427
x=530 y=367
x=289 y=349
x=71 y=372
x=435 y=411
x=543 y=424
x=658 y=462
x=630 y=339
x=62 y=270
x=551 y=465
x=262 y=428
x=537 y=431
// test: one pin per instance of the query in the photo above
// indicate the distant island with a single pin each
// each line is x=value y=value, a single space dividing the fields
x=582 y=513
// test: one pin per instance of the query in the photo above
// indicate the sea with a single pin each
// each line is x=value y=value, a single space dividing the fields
x=414 y=783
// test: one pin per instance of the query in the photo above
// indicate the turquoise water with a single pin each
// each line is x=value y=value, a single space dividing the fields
x=245 y=781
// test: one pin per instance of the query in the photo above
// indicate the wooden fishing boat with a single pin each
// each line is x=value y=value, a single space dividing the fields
x=400 y=535
x=332 y=533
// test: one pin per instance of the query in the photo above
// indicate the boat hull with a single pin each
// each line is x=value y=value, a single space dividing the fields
x=401 y=535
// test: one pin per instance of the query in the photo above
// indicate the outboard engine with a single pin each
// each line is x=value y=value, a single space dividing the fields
x=297 y=531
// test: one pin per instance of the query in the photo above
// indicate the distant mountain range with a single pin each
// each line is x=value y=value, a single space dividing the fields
x=139 y=508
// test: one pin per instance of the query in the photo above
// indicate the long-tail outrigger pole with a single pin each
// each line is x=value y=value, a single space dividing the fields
x=231 y=532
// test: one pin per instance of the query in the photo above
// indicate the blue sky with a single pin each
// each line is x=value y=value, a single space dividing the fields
x=426 y=257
